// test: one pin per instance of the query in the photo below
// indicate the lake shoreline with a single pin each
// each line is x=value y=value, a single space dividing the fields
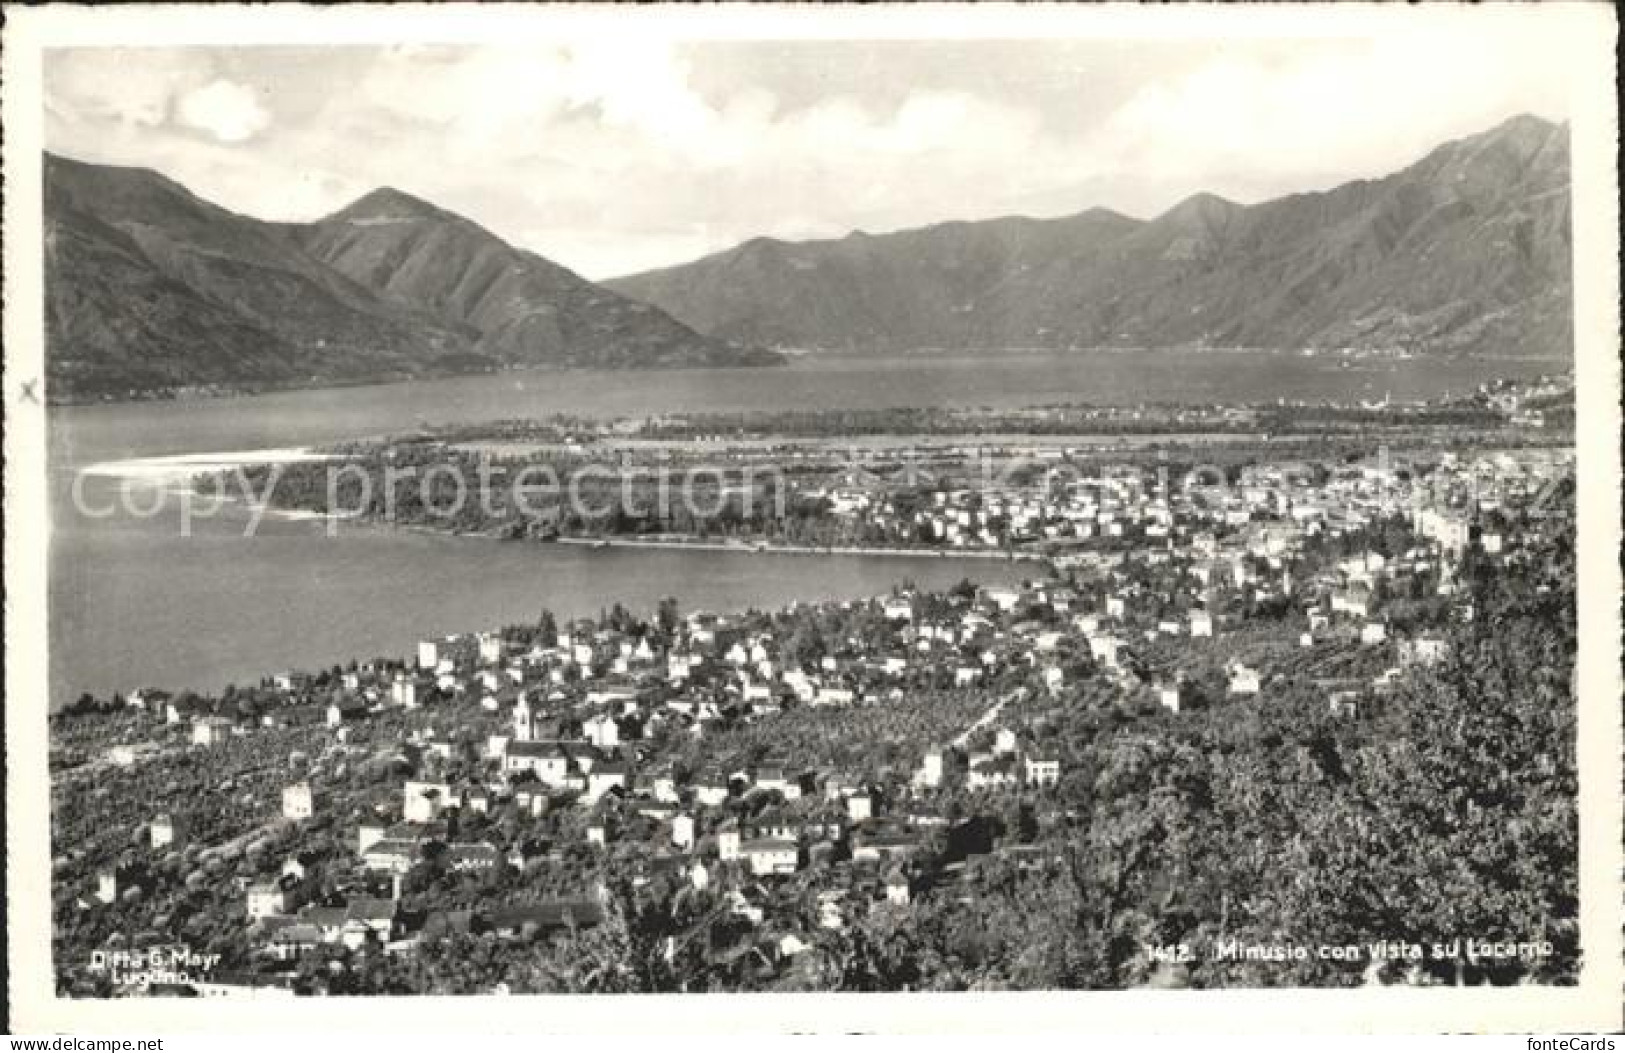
x=133 y=600
x=183 y=468
x=753 y=548
x=673 y=544
x=180 y=466
x=181 y=395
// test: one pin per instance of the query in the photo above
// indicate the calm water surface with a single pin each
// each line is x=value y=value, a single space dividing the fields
x=132 y=602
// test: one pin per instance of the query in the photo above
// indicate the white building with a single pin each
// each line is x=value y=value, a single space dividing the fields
x=1423 y=650
x=770 y=856
x=1243 y=681
x=422 y=801
x=367 y=835
x=404 y=692
x=210 y=730
x=524 y=721
x=602 y=731
x=108 y=886
x=166 y=831
x=931 y=771
x=605 y=777
x=682 y=832
x=298 y=801
x=1042 y=771
x=268 y=899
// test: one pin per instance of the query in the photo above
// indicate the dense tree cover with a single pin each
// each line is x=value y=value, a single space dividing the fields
x=1446 y=814
x=1451 y=814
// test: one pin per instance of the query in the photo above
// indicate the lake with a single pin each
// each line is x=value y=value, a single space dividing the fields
x=134 y=603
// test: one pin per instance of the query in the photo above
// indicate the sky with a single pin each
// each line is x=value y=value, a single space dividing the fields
x=616 y=156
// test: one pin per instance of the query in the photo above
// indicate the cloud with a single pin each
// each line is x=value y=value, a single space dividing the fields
x=120 y=87
x=1259 y=128
x=615 y=157
x=228 y=111
x=573 y=149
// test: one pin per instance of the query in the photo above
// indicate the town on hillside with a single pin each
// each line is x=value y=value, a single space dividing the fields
x=1038 y=482
x=1253 y=715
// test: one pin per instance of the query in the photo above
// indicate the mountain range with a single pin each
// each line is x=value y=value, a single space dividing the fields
x=150 y=289
x=1467 y=250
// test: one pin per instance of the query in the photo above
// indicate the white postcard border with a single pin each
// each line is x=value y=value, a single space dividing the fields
x=1584 y=31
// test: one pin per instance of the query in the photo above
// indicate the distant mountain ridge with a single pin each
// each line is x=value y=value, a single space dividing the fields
x=1465 y=251
x=151 y=289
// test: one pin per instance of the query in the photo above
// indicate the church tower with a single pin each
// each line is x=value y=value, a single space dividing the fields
x=524 y=722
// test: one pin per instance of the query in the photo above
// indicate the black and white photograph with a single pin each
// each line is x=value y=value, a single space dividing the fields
x=773 y=501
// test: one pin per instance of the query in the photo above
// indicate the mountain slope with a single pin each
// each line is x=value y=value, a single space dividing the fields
x=1465 y=251
x=151 y=289
x=116 y=323
x=940 y=285
x=518 y=307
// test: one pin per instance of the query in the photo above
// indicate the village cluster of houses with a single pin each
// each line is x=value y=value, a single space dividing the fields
x=1514 y=398
x=1131 y=506
x=538 y=724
